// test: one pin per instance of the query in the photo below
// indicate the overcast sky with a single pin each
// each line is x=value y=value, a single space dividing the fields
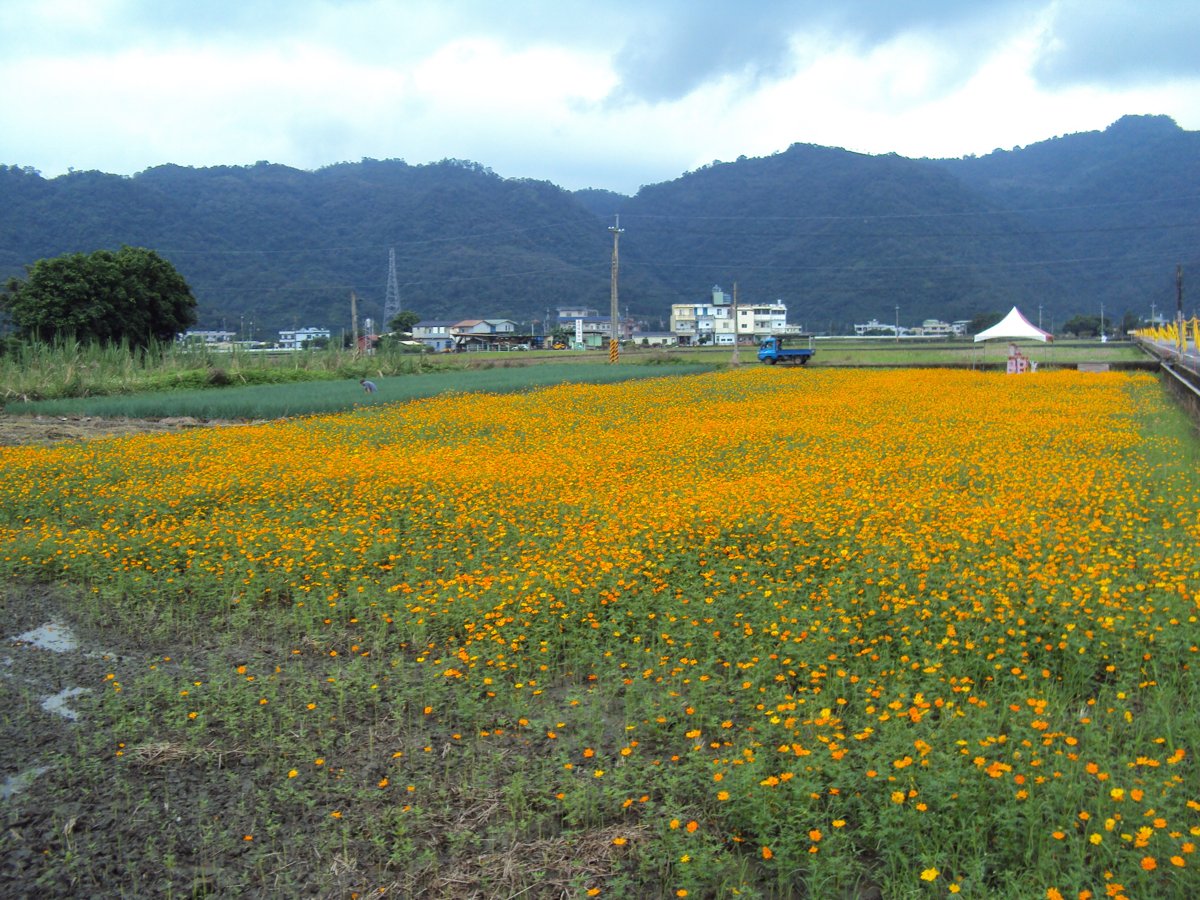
x=610 y=93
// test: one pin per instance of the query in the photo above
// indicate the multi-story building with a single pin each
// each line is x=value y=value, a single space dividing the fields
x=714 y=322
x=587 y=328
x=297 y=338
x=434 y=334
x=763 y=319
x=696 y=324
x=483 y=334
x=483 y=326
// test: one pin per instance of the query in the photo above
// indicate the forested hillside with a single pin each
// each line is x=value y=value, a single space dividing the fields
x=277 y=246
x=1065 y=225
x=841 y=237
x=1114 y=211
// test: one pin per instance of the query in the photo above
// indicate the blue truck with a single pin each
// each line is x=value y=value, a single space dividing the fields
x=784 y=349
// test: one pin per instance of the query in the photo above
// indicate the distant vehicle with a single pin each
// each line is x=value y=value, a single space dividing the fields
x=520 y=346
x=776 y=349
x=560 y=346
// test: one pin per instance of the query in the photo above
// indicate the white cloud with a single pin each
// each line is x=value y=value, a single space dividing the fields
x=616 y=95
x=478 y=75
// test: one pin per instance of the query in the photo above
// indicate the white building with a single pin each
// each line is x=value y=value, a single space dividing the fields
x=714 y=322
x=483 y=326
x=875 y=327
x=483 y=334
x=762 y=319
x=296 y=338
x=696 y=323
x=567 y=314
x=434 y=334
x=655 y=338
x=938 y=328
x=207 y=337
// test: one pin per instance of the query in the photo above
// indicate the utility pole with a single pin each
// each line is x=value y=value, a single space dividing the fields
x=1179 y=309
x=734 y=361
x=614 y=341
x=354 y=320
x=391 y=302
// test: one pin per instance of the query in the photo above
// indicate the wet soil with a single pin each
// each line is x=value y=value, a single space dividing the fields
x=50 y=669
x=85 y=814
x=43 y=430
x=97 y=801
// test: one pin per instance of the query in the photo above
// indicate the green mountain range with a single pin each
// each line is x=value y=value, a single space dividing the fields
x=1059 y=228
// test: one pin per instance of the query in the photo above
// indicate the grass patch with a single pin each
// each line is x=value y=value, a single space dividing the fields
x=967 y=354
x=306 y=396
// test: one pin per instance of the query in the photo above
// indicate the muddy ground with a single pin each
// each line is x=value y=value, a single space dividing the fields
x=43 y=430
x=85 y=814
x=47 y=667
x=88 y=809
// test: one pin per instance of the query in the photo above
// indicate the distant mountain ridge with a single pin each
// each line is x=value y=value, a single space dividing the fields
x=1061 y=226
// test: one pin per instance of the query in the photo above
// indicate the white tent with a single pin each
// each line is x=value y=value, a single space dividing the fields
x=1012 y=327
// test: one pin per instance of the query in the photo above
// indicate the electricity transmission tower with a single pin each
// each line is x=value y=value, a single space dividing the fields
x=391 y=301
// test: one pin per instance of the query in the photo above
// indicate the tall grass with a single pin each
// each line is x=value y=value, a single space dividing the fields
x=68 y=369
x=38 y=371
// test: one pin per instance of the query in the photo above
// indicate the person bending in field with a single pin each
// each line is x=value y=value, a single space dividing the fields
x=369 y=386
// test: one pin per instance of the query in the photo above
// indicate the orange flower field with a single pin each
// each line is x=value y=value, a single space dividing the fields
x=764 y=631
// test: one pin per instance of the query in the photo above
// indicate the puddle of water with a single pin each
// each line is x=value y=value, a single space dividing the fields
x=57 y=703
x=14 y=784
x=51 y=636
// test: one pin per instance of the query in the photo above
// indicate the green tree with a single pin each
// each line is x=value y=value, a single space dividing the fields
x=1083 y=326
x=404 y=321
x=132 y=294
x=982 y=321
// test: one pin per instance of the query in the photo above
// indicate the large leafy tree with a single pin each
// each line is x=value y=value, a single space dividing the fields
x=1084 y=326
x=132 y=294
x=404 y=321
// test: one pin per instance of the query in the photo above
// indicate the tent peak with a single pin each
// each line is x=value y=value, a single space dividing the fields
x=1014 y=326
